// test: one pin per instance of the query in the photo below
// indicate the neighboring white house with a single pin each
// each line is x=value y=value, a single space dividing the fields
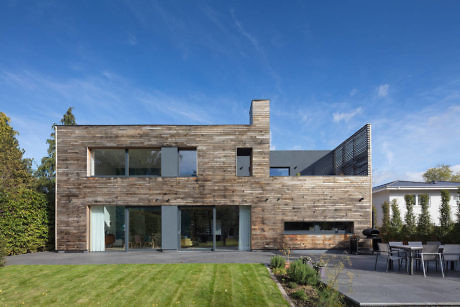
x=397 y=190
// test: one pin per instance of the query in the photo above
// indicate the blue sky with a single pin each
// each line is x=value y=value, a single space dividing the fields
x=328 y=68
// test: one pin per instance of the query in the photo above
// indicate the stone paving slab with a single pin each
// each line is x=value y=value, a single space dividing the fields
x=144 y=257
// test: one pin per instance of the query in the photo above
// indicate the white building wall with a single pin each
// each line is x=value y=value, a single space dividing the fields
x=434 y=197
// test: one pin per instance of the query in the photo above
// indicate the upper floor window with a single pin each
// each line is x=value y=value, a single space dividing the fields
x=144 y=162
x=279 y=171
x=244 y=162
x=108 y=162
x=187 y=163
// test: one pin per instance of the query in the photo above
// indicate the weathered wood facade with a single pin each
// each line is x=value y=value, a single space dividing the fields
x=273 y=200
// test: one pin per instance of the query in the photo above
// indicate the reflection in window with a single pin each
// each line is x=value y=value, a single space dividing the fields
x=108 y=162
x=144 y=162
x=114 y=227
x=279 y=171
x=145 y=228
x=318 y=227
x=187 y=163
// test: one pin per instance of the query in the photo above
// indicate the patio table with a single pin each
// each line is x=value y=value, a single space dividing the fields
x=411 y=251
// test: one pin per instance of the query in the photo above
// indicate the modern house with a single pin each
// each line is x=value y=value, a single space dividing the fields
x=173 y=187
x=398 y=189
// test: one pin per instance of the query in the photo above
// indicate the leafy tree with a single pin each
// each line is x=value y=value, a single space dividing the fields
x=441 y=173
x=410 y=227
x=424 y=224
x=395 y=222
x=445 y=220
x=22 y=209
x=46 y=173
x=385 y=219
x=14 y=169
x=458 y=206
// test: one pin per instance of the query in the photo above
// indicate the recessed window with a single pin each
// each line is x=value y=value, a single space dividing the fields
x=187 y=163
x=317 y=227
x=279 y=171
x=144 y=162
x=108 y=162
x=244 y=162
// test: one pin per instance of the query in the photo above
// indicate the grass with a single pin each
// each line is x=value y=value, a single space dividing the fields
x=139 y=285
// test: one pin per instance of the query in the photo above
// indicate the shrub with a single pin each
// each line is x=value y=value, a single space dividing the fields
x=277 y=261
x=300 y=295
x=302 y=274
x=279 y=271
x=23 y=220
x=2 y=251
x=292 y=285
x=330 y=297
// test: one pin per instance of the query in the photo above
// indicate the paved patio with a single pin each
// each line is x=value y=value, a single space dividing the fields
x=358 y=280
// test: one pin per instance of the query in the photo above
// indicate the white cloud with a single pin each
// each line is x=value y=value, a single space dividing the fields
x=353 y=92
x=345 y=116
x=455 y=168
x=382 y=90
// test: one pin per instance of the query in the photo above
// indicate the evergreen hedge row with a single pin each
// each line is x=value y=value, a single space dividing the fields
x=23 y=220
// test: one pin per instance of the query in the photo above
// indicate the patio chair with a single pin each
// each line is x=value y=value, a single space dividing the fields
x=430 y=253
x=385 y=251
x=451 y=253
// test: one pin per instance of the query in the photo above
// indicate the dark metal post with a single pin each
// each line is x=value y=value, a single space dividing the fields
x=213 y=228
x=126 y=228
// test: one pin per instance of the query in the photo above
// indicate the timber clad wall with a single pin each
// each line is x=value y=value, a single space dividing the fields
x=273 y=200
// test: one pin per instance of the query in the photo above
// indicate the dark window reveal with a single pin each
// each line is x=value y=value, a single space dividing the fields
x=279 y=171
x=318 y=227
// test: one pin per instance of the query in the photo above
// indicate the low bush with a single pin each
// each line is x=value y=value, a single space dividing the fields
x=300 y=295
x=279 y=271
x=277 y=261
x=292 y=285
x=330 y=297
x=2 y=251
x=302 y=274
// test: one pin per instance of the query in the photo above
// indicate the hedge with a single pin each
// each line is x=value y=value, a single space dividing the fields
x=23 y=220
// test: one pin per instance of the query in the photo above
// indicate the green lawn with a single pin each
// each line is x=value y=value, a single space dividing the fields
x=140 y=285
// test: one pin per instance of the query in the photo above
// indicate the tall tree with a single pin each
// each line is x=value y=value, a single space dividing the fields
x=395 y=222
x=22 y=209
x=46 y=172
x=385 y=220
x=445 y=219
x=441 y=173
x=424 y=222
x=14 y=169
x=410 y=226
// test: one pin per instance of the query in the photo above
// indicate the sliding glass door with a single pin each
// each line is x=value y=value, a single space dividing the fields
x=196 y=228
x=145 y=228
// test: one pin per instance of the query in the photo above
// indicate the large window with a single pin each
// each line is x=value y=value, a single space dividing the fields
x=108 y=162
x=187 y=163
x=317 y=227
x=145 y=228
x=279 y=171
x=144 y=162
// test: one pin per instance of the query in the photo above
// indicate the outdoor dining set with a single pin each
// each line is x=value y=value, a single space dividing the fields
x=421 y=254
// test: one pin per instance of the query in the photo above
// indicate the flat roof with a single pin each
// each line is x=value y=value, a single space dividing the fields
x=402 y=184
